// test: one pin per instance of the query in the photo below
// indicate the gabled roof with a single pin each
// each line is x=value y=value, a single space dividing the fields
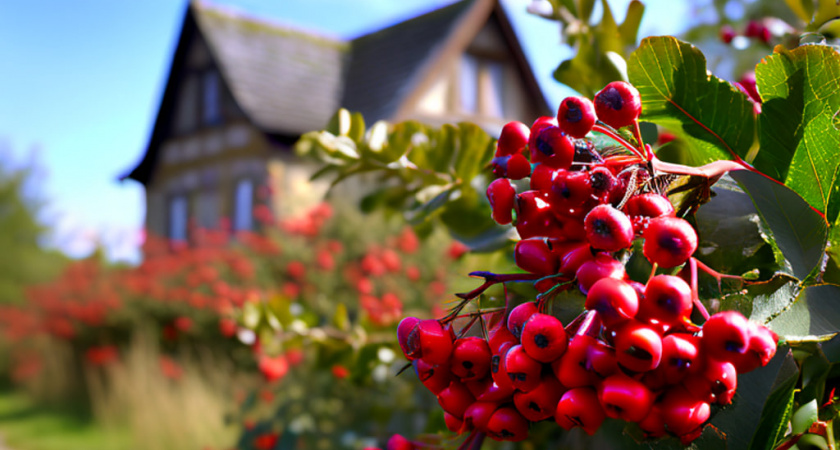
x=289 y=81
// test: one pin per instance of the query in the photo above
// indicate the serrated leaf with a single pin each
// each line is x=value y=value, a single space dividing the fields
x=799 y=231
x=800 y=134
x=777 y=409
x=714 y=118
x=813 y=316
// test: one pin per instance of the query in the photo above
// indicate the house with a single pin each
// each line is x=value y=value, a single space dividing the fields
x=241 y=91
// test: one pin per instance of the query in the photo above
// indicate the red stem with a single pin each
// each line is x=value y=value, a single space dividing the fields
x=493 y=278
x=692 y=263
x=600 y=128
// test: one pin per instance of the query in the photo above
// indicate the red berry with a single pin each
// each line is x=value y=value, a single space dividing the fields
x=571 y=193
x=543 y=338
x=572 y=256
x=608 y=229
x=640 y=208
x=519 y=315
x=669 y=241
x=470 y=358
x=397 y=442
x=433 y=341
x=453 y=423
x=507 y=424
x=653 y=425
x=405 y=329
x=517 y=167
x=602 y=266
x=603 y=183
x=624 y=398
x=574 y=367
x=512 y=139
x=576 y=116
x=723 y=380
x=553 y=148
x=638 y=348
x=524 y=371
x=534 y=215
x=618 y=104
x=434 y=378
x=727 y=34
x=535 y=255
x=760 y=349
x=538 y=125
x=682 y=412
x=725 y=336
x=479 y=413
x=502 y=196
x=667 y=300
x=680 y=356
x=615 y=300
x=539 y=403
x=455 y=399
x=580 y=407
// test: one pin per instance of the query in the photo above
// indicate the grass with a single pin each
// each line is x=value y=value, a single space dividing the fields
x=26 y=426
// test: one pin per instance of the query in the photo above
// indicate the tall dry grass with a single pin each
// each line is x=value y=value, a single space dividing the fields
x=161 y=412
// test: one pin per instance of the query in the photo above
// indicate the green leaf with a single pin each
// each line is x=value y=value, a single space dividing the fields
x=778 y=408
x=826 y=10
x=800 y=133
x=475 y=151
x=677 y=93
x=804 y=9
x=629 y=29
x=799 y=231
x=813 y=316
x=589 y=71
x=804 y=417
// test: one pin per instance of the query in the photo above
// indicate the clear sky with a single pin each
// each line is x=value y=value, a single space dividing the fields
x=80 y=83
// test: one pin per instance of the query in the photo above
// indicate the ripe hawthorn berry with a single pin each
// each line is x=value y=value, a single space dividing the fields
x=576 y=116
x=513 y=139
x=470 y=358
x=501 y=194
x=760 y=348
x=524 y=371
x=638 y=347
x=434 y=378
x=602 y=266
x=544 y=338
x=608 y=229
x=667 y=300
x=653 y=424
x=682 y=412
x=553 y=148
x=618 y=104
x=579 y=407
x=669 y=241
x=506 y=424
x=453 y=423
x=615 y=300
x=570 y=193
x=519 y=315
x=625 y=398
x=725 y=336
x=431 y=341
x=455 y=399
x=404 y=332
x=398 y=442
x=680 y=356
x=535 y=255
x=603 y=183
x=479 y=413
x=574 y=367
x=539 y=403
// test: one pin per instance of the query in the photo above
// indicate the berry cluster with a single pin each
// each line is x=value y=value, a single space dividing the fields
x=634 y=353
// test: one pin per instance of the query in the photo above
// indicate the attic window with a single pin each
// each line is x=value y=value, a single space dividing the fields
x=185 y=119
x=212 y=107
x=481 y=86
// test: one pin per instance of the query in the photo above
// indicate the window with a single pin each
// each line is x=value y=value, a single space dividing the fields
x=468 y=84
x=178 y=215
x=186 y=116
x=208 y=209
x=481 y=86
x=243 y=206
x=212 y=111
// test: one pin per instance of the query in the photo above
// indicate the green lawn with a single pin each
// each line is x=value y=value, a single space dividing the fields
x=25 y=426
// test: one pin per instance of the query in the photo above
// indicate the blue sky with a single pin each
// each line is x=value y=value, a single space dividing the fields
x=81 y=81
